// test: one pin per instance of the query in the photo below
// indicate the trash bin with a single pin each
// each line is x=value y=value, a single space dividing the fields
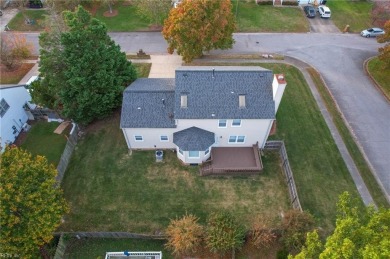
x=159 y=155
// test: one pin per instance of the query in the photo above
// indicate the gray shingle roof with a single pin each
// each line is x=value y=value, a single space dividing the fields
x=216 y=92
x=143 y=105
x=193 y=139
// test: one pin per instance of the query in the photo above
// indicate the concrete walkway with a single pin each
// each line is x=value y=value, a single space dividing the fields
x=164 y=66
x=33 y=72
x=358 y=180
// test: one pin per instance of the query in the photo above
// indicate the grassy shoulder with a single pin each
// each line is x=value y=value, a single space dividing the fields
x=18 y=23
x=41 y=140
x=263 y=18
x=381 y=75
x=353 y=149
x=357 y=14
x=143 y=69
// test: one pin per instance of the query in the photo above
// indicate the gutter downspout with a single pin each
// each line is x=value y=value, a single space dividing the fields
x=268 y=131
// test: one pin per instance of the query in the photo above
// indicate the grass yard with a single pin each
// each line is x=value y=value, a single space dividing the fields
x=41 y=140
x=381 y=75
x=357 y=14
x=143 y=69
x=97 y=247
x=18 y=22
x=263 y=18
x=14 y=77
x=127 y=19
x=109 y=190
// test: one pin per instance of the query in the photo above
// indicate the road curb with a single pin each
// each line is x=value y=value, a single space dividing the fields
x=377 y=85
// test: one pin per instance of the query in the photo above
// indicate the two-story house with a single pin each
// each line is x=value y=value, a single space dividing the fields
x=200 y=109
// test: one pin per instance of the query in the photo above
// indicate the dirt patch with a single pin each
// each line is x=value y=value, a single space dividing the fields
x=93 y=9
x=110 y=14
x=14 y=76
x=23 y=135
x=127 y=3
x=155 y=27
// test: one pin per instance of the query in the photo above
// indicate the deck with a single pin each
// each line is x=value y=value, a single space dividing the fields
x=232 y=161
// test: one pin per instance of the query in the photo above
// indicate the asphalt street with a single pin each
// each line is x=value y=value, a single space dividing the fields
x=338 y=57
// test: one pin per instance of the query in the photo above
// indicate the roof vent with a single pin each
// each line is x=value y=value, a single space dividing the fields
x=213 y=114
x=139 y=108
x=163 y=101
x=213 y=73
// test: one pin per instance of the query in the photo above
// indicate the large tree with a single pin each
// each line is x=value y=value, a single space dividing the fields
x=358 y=234
x=384 y=52
x=32 y=204
x=197 y=26
x=86 y=71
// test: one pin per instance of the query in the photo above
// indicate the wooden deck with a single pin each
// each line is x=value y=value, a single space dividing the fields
x=232 y=161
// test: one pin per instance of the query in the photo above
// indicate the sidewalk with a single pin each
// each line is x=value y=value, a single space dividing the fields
x=7 y=16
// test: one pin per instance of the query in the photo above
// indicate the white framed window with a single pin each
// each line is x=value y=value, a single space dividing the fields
x=236 y=139
x=232 y=139
x=138 y=138
x=207 y=151
x=222 y=123
x=164 y=138
x=193 y=154
x=3 y=107
x=240 y=139
x=181 y=151
x=236 y=123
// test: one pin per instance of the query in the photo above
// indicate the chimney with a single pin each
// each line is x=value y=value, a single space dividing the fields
x=278 y=85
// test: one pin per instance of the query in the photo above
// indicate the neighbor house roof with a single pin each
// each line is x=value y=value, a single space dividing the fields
x=148 y=103
x=193 y=139
x=213 y=92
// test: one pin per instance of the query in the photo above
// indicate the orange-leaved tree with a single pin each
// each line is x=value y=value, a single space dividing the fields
x=197 y=26
x=384 y=52
x=14 y=48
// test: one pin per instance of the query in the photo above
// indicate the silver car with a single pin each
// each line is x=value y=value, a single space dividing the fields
x=372 y=32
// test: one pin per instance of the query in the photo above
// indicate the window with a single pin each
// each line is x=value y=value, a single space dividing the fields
x=3 y=107
x=236 y=139
x=232 y=139
x=222 y=123
x=207 y=151
x=193 y=154
x=240 y=139
x=241 y=101
x=164 y=138
x=181 y=151
x=236 y=123
x=138 y=138
x=183 y=101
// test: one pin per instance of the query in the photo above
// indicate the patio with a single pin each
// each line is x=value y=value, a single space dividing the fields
x=232 y=161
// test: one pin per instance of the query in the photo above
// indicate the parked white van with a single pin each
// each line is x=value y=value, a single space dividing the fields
x=324 y=11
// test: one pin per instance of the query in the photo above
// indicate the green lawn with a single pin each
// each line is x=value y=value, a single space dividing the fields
x=42 y=141
x=353 y=149
x=127 y=19
x=109 y=190
x=381 y=75
x=263 y=18
x=18 y=22
x=97 y=247
x=357 y=14
x=143 y=69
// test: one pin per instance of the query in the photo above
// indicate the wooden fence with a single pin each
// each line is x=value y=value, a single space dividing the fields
x=65 y=157
x=110 y=235
x=279 y=145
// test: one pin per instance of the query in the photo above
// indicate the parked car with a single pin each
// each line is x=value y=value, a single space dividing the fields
x=324 y=11
x=309 y=11
x=372 y=32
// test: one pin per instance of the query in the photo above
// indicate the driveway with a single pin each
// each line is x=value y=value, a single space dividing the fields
x=7 y=16
x=321 y=25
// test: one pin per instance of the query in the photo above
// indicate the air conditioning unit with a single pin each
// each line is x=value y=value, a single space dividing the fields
x=26 y=127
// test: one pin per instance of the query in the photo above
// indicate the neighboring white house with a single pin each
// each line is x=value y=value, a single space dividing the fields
x=202 y=108
x=13 y=116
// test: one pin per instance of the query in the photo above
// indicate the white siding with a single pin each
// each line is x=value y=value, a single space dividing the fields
x=151 y=138
x=253 y=130
x=190 y=160
x=16 y=97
